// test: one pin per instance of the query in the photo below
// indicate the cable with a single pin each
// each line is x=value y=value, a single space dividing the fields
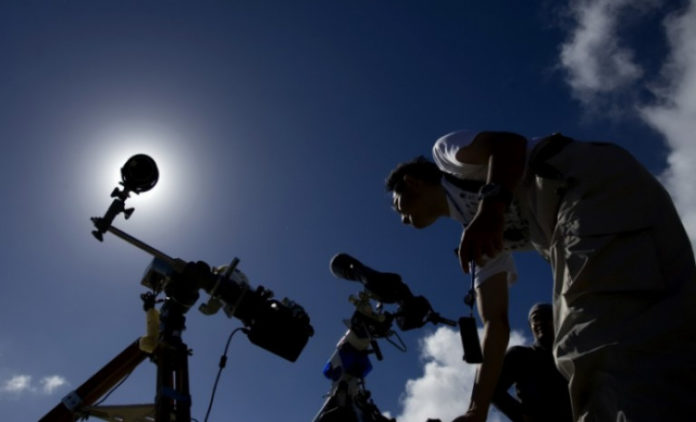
x=112 y=390
x=400 y=347
x=83 y=415
x=221 y=365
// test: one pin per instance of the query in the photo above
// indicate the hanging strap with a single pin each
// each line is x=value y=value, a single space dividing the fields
x=470 y=298
x=472 y=186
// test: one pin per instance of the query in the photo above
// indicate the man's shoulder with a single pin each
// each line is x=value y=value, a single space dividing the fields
x=446 y=147
x=519 y=351
x=458 y=138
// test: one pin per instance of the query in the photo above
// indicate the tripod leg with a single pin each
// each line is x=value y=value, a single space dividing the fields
x=98 y=385
x=173 y=398
x=182 y=385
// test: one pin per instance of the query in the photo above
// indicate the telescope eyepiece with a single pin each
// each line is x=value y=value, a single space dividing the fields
x=139 y=174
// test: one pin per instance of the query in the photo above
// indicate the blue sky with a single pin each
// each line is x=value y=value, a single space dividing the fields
x=274 y=125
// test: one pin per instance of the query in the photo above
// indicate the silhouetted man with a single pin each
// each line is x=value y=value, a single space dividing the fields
x=623 y=266
x=542 y=392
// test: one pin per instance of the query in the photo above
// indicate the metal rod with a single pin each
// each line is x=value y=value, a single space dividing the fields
x=144 y=246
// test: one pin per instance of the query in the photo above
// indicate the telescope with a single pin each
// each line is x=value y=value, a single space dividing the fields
x=349 y=399
x=280 y=326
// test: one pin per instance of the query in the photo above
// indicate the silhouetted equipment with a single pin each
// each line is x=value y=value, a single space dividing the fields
x=468 y=331
x=349 y=400
x=138 y=175
x=279 y=326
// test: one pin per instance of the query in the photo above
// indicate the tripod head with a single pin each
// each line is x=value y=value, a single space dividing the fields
x=138 y=174
x=279 y=326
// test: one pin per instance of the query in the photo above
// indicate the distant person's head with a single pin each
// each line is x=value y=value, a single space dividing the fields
x=417 y=194
x=541 y=323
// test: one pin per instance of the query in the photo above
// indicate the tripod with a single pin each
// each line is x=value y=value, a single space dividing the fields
x=170 y=354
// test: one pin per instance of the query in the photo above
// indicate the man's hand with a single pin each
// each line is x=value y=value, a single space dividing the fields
x=483 y=237
x=504 y=153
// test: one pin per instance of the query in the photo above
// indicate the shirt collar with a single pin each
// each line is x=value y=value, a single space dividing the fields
x=456 y=202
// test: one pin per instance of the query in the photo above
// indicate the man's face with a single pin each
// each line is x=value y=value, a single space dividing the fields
x=542 y=327
x=413 y=203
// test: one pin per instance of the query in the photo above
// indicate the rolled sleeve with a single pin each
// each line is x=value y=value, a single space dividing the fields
x=445 y=155
x=503 y=262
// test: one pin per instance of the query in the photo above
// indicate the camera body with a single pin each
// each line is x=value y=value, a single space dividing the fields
x=280 y=326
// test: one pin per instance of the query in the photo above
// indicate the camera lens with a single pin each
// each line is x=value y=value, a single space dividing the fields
x=140 y=173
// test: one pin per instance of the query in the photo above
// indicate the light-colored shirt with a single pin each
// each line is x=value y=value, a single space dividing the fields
x=463 y=204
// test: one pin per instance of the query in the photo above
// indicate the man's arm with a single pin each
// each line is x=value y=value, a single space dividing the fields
x=511 y=407
x=505 y=155
x=492 y=301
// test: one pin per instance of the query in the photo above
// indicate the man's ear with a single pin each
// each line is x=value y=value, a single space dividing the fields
x=411 y=181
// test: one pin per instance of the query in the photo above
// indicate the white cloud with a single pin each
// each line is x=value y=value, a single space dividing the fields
x=675 y=114
x=445 y=387
x=19 y=384
x=16 y=384
x=601 y=68
x=51 y=383
x=594 y=57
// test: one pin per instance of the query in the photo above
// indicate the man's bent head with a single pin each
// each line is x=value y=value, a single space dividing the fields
x=417 y=194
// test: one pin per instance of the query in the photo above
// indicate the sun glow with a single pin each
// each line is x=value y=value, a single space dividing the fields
x=110 y=151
